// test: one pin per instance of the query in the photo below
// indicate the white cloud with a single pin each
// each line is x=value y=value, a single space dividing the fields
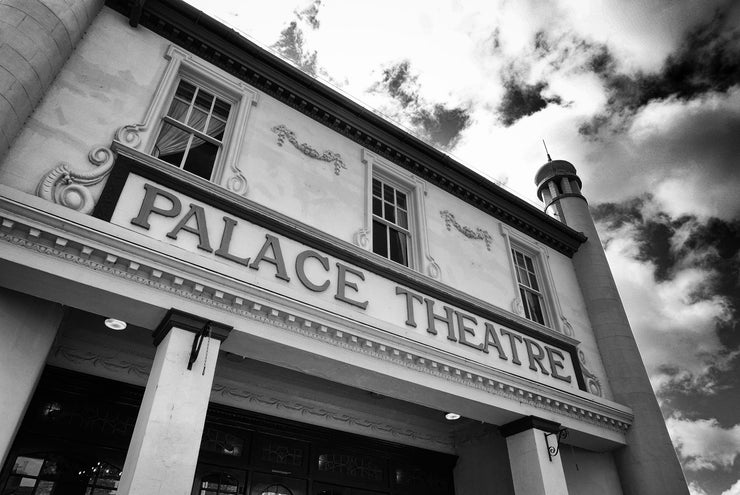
x=733 y=490
x=630 y=27
x=695 y=489
x=675 y=331
x=704 y=444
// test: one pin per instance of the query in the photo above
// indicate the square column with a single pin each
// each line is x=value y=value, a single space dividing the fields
x=534 y=470
x=28 y=327
x=163 y=453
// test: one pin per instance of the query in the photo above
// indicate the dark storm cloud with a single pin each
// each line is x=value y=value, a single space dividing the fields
x=310 y=14
x=291 y=46
x=436 y=122
x=707 y=60
x=442 y=125
x=400 y=84
x=673 y=244
x=677 y=249
x=521 y=100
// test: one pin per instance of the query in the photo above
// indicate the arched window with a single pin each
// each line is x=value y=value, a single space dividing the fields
x=276 y=490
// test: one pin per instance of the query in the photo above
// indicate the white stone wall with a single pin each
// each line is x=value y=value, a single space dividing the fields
x=110 y=81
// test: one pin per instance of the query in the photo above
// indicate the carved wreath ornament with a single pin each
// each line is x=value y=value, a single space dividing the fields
x=66 y=187
x=284 y=133
x=468 y=232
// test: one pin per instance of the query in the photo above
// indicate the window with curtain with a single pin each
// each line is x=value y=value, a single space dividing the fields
x=193 y=130
x=530 y=288
x=391 y=232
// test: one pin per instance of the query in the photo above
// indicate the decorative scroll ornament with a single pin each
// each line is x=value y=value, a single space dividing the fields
x=567 y=327
x=433 y=269
x=517 y=306
x=130 y=135
x=327 y=156
x=554 y=450
x=468 y=232
x=362 y=239
x=592 y=381
x=69 y=188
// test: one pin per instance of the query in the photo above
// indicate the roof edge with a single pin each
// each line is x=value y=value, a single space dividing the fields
x=208 y=38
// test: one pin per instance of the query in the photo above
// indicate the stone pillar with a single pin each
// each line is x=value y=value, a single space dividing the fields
x=163 y=453
x=36 y=38
x=534 y=470
x=28 y=327
x=648 y=464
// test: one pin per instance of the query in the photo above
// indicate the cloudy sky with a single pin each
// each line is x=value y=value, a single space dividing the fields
x=643 y=97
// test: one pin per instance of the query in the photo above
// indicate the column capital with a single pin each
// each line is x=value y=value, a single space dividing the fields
x=191 y=323
x=527 y=423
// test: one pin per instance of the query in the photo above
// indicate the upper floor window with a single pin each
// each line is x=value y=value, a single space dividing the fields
x=197 y=120
x=192 y=132
x=530 y=287
x=391 y=231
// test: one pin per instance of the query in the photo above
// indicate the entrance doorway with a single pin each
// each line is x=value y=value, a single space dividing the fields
x=77 y=429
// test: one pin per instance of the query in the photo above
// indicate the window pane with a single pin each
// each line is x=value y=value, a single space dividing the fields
x=185 y=90
x=535 y=308
x=377 y=190
x=390 y=212
x=216 y=128
x=377 y=207
x=201 y=158
x=519 y=258
x=197 y=119
x=171 y=144
x=388 y=193
x=221 y=109
x=30 y=466
x=204 y=100
x=401 y=200
x=398 y=245
x=403 y=220
x=525 y=303
x=178 y=110
x=533 y=282
x=380 y=239
x=521 y=276
x=530 y=266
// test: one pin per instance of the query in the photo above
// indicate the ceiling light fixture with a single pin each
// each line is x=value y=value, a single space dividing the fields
x=452 y=416
x=114 y=324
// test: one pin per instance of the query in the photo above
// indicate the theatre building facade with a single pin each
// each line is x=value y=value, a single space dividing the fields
x=220 y=276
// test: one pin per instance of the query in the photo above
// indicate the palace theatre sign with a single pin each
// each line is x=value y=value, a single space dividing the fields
x=263 y=258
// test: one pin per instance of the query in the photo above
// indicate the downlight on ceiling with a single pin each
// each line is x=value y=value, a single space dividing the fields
x=452 y=416
x=114 y=324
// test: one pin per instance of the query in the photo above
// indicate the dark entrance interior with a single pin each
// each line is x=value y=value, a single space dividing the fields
x=77 y=429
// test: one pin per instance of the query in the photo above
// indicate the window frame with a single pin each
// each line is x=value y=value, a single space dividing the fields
x=393 y=225
x=552 y=313
x=419 y=255
x=193 y=132
x=527 y=287
x=183 y=65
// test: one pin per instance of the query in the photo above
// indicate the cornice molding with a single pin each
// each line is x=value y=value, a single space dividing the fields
x=69 y=247
x=207 y=38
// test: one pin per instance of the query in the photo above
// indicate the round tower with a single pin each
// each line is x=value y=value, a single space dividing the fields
x=647 y=464
x=556 y=180
x=36 y=38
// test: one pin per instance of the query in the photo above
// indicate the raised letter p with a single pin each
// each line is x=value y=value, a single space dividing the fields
x=147 y=206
